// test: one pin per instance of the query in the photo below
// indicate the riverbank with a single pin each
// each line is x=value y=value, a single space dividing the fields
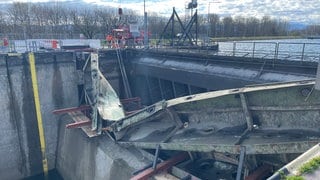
x=224 y=39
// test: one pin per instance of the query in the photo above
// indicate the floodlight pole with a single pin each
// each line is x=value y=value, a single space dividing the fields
x=146 y=38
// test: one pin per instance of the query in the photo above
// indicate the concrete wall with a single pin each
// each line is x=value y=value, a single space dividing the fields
x=83 y=158
x=155 y=77
x=70 y=151
x=19 y=143
x=10 y=146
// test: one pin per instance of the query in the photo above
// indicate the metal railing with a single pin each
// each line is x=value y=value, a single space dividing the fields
x=34 y=45
x=263 y=50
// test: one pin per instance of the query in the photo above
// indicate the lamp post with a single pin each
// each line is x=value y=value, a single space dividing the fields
x=145 y=37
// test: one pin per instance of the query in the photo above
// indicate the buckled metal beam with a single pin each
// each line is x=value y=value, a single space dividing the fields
x=141 y=115
x=241 y=160
x=161 y=167
x=72 y=109
x=78 y=124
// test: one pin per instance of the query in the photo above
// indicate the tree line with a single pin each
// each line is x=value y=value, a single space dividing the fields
x=41 y=20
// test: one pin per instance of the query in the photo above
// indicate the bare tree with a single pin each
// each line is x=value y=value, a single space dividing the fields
x=19 y=15
x=31 y=20
x=213 y=24
x=86 y=22
x=228 y=26
x=240 y=29
x=39 y=18
x=4 y=28
x=107 y=20
x=156 y=23
x=252 y=26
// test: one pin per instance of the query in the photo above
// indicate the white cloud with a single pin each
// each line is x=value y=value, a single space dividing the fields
x=303 y=10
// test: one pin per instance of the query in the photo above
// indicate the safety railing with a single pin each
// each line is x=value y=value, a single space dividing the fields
x=34 y=45
x=262 y=50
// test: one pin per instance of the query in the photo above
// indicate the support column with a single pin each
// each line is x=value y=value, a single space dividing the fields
x=246 y=111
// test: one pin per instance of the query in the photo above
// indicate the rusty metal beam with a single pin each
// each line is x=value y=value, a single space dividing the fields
x=268 y=148
x=131 y=112
x=72 y=109
x=223 y=158
x=78 y=124
x=165 y=165
x=260 y=173
x=79 y=117
x=128 y=100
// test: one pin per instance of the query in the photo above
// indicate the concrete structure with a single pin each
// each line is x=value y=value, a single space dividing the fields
x=166 y=75
x=80 y=157
x=73 y=155
x=69 y=151
x=20 y=152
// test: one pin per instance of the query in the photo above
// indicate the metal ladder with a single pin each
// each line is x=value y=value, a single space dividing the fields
x=122 y=70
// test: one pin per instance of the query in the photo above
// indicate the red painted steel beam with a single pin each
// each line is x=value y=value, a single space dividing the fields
x=72 y=109
x=260 y=173
x=78 y=124
x=165 y=165
x=134 y=99
x=131 y=112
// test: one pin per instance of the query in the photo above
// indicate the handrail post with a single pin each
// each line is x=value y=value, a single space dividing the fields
x=302 y=55
x=234 y=48
x=276 y=50
x=26 y=44
x=254 y=47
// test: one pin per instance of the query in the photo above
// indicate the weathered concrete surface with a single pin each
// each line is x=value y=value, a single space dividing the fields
x=82 y=158
x=10 y=147
x=19 y=144
x=200 y=73
x=57 y=81
x=266 y=119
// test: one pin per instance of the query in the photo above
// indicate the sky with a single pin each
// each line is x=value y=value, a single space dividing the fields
x=302 y=11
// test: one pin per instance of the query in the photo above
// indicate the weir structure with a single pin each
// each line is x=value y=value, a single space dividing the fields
x=230 y=133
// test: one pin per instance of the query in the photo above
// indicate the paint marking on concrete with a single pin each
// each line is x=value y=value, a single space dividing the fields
x=38 y=113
